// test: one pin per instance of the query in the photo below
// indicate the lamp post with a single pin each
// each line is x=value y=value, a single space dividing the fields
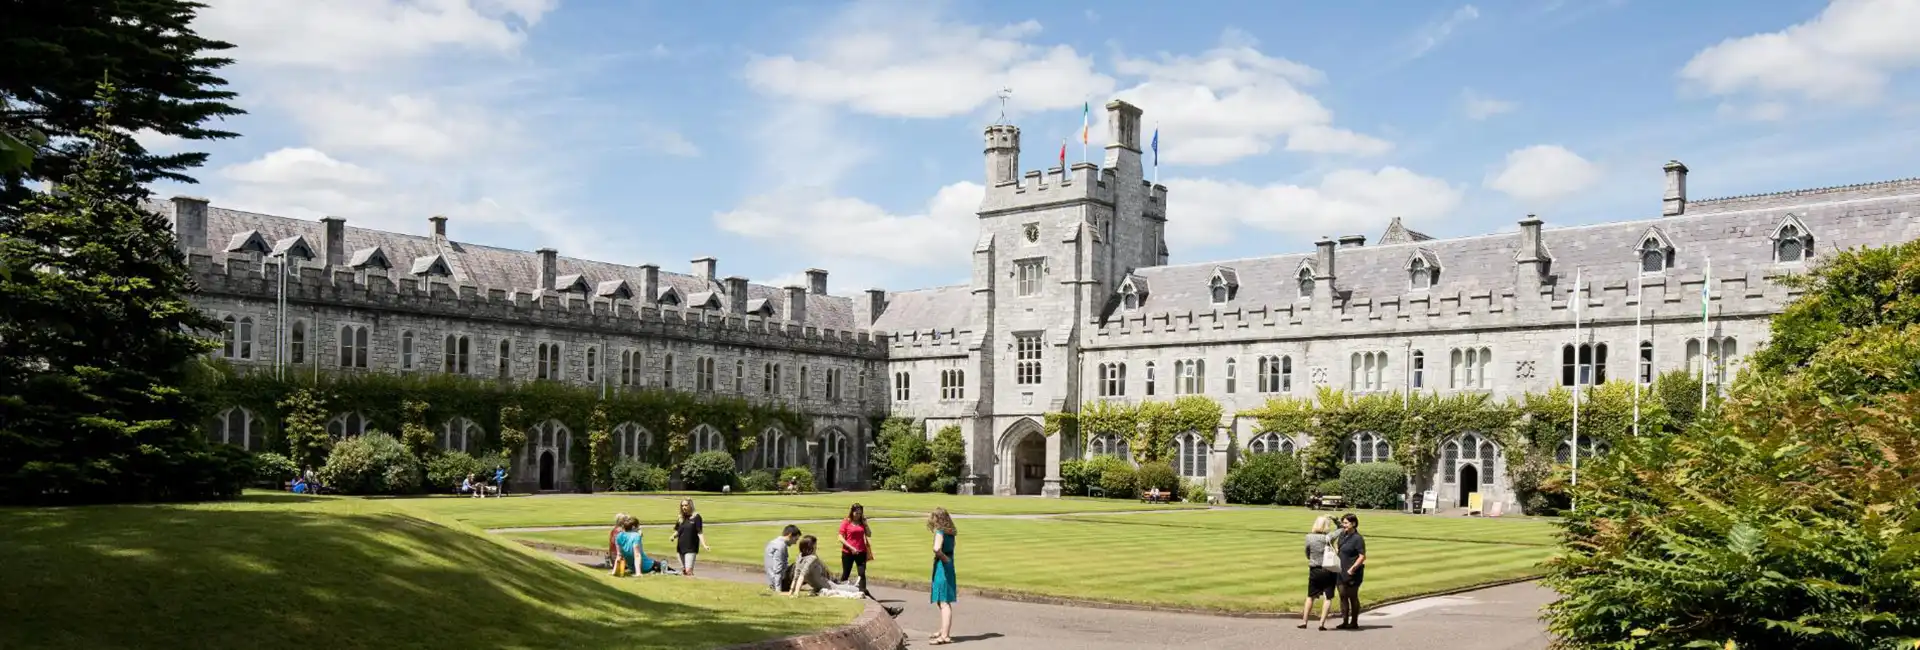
x=280 y=320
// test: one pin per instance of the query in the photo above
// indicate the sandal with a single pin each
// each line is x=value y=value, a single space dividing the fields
x=934 y=640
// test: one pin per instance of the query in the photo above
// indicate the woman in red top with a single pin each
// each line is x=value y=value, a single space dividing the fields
x=856 y=545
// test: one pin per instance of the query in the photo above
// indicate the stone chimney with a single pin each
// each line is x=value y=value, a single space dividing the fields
x=1353 y=241
x=1003 y=154
x=1123 y=140
x=1323 y=274
x=649 y=284
x=549 y=271
x=797 y=305
x=1532 y=259
x=439 y=225
x=737 y=295
x=336 y=241
x=1674 y=202
x=876 y=305
x=817 y=282
x=705 y=268
x=190 y=221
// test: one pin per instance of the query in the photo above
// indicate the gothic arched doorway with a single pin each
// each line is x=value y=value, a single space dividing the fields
x=1469 y=484
x=1030 y=463
x=832 y=473
x=546 y=470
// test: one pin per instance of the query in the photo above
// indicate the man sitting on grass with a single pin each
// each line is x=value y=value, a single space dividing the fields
x=779 y=572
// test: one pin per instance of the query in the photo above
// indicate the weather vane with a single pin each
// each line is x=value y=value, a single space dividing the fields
x=1004 y=94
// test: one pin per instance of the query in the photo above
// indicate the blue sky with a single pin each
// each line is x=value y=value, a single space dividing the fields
x=846 y=136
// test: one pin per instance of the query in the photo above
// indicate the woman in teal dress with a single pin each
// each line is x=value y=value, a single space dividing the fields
x=945 y=588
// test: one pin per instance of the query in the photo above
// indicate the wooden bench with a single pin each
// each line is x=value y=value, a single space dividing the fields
x=1330 y=502
x=1148 y=497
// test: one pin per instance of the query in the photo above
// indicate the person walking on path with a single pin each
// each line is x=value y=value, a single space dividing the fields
x=690 y=536
x=1353 y=570
x=856 y=545
x=779 y=573
x=1323 y=571
x=945 y=587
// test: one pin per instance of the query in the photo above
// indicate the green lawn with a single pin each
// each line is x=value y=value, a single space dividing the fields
x=904 y=504
x=582 y=510
x=1223 y=560
x=283 y=571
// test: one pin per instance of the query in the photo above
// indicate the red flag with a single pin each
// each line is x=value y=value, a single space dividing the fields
x=1063 y=156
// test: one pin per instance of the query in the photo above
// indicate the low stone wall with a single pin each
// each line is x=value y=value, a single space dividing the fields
x=873 y=629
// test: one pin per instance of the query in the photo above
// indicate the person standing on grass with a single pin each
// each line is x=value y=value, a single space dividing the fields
x=1322 y=576
x=690 y=534
x=856 y=545
x=946 y=588
x=499 y=481
x=1353 y=569
x=779 y=573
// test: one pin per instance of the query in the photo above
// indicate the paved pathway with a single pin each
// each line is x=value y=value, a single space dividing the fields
x=797 y=522
x=1497 y=618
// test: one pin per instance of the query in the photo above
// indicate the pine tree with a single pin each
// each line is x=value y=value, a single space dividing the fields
x=95 y=341
x=54 y=52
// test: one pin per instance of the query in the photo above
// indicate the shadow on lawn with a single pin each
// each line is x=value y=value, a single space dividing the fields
x=114 y=577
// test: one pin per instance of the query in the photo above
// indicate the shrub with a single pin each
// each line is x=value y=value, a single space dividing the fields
x=1326 y=487
x=759 y=480
x=948 y=452
x=446 y=471
x=1259 y=477
x=274 y=470
x=1156 y=475
x=375 y=463
x=631 y=475
x=945 y=484
x=919 y=478
x=798 y=474
x=1116 y=476
x=907 y=449
x=1076 y=477
x=1373 y=485
x=708 y=471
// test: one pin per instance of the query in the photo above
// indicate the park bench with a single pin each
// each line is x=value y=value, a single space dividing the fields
x=1330 y=502
x=1149 y=497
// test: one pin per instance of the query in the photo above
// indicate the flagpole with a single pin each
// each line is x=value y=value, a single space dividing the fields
x=1706 y=329
x=1639 y=304
x=1577 y=378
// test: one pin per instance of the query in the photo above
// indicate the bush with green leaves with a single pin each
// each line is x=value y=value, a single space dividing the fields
x=1259 y=477
x=1327 y=487
x=375 y=463
x=448 y=470
x=1115 y=476
x=1373 y=485
x=1075 y=478
x=920 y=477
x=1156 y=474
x=1193 y=490
x=273 y=470
x=799 y=475
x=906 y=449
x=632 y=475
x=759 y=480
x=708 y=471
x=944 y=485
x=948 y=451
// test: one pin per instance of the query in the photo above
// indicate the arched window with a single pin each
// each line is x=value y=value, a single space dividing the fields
x=1191 y=455
x=1276 y=374
x=1109 y=444
x=704 y=438
x=1129 y=298
x=459 y=434
x=1366 y=447
x=1368 y=372
x=666 y=372
x=1589 y=448
x=739 y=376
x=406 y=350
x=454 y=354
x=347 y=425
x=1218 y=288
x=546 y=363
x=553 y=435
x=229 y=330
x=1270 y=443
x=506 y=359
x=1587 y=367
x=1420 y=276
x=1790 y=245
x=1419 y=363
x=1653 y=256
x=1468 y=449
x=1306 y=283
x=839 y=454
x=593 y=364
x=1233 y=375
x=353 y=346
x=630 y=440
x=1470 y=368
x=1150 y=379
x=1112 y=379
x=246 y=337
x=297 y=343
x=233 y=426
x=773 y=445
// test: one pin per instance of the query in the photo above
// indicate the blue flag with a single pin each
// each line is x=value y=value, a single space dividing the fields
x=1156 y=146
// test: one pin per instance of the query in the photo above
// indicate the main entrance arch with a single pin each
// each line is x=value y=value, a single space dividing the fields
x=1022 y=463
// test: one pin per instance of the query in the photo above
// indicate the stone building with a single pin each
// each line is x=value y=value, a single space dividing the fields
x=1071 y=300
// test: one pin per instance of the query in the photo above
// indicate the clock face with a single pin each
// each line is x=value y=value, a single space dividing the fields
x=1033 y=232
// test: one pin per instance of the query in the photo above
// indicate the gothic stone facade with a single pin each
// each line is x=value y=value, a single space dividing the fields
x=1071 y=299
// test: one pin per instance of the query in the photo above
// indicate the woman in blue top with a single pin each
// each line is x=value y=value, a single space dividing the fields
x=631 y=551
x=945 y=588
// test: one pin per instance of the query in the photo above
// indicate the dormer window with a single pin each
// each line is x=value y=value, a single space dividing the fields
x=1129 y=299
x=1133 y=292
x=431 y=265
x=248 y=242
x=1219 y=290
x=1791 y=242
x=1423 y=271
x=1224 y=285
x=1306 y=283
x=669 y=297
x=1655 y=251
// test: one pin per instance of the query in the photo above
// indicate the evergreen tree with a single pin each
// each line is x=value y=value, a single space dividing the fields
x=305 y=429
x=53 y=52
x=95 y=340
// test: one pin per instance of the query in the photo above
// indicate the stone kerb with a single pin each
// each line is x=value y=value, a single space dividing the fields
x=243 y=276
x=873 y=629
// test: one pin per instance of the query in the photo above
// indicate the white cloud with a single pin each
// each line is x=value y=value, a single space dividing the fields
x=1543 y=173
x=1480 y=107
x=300 y=165
x=1847 y=54
x=1209 y=212
x=366 y=34
x=1433 y=34
x=414 y=126
x=836 y=227
x=156 y=142
x=1233 y=102
x=907 y=61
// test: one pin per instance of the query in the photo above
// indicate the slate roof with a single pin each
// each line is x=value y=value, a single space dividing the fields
x=938 y=308
x=1738 y=239
x=491 y=267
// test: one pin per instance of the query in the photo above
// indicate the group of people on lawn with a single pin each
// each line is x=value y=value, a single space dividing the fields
x=1336 y=561
x=807 y=576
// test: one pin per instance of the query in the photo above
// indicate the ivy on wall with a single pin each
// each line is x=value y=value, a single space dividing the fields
x=504 y=410
x=1148 y=427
